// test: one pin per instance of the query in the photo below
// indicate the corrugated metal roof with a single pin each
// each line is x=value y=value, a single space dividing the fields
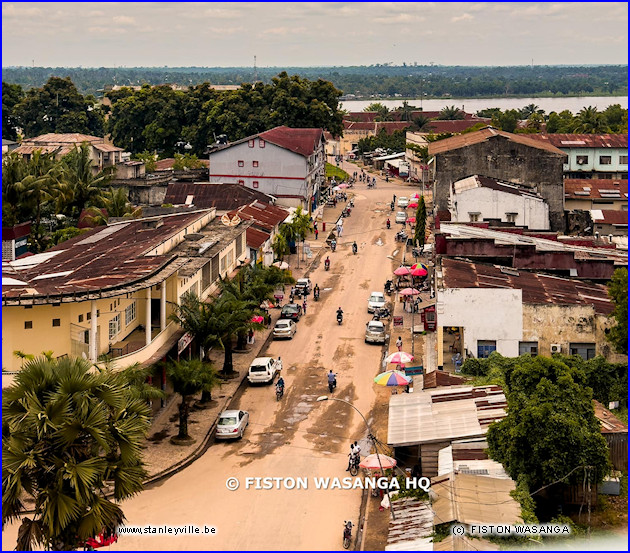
x=300 y=141
x=256 y=238
x=472 y=499
x=594 y=189
x=583 y=140
x=107 y=148
x=610 y=423
x=463 y=543
x=223 y=196
x=483 y=135
x=610 y=217
x=413 y=526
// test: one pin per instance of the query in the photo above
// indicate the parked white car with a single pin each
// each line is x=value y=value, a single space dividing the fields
x=403 y=201
x=375 y=332
x=377 y=299
x=401 y=217
x=232 y=424
x=262 y=370
x=284 y=328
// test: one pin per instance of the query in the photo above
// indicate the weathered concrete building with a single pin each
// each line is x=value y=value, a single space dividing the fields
x=515 y=158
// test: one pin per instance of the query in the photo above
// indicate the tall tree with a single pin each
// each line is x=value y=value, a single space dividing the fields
x=382 y=110
x=421 y=124
x=68 y=433
x=58 y=107
x=451 y=113
x=421 y=222
x=590 y=121
x=12 y=94
x=618 y=292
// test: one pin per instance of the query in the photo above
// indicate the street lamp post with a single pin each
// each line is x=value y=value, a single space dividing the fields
x=370 y=437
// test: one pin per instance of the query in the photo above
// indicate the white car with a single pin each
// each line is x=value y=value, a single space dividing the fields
x=403 y=201
x=377 y=299
x=285 y=328
x=304 y=285
x=232 y=424
x=401 y=217
x=375 y=332
x=262 y=370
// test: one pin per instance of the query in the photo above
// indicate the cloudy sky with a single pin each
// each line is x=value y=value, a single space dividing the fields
x=94 y=34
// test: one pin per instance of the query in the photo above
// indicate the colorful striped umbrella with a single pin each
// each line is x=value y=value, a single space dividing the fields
x=416 y=265
x=402 y=271
x=399 y=358
x=392 y=378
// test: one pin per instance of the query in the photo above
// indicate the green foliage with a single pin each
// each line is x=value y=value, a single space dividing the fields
x=618 y=292
x=58 y=107
x=64 y=234
x=522 y=494
x=148 y=158
x=420 y=151
x=339 y=174
x=432 y=137
x=506 y=120
x=382 y=110
x=450 y=113
x=393 y=143
x=550 y=428
x=280 y=246
x=421 y=222
x=12 y=94
x=68 y=434
x=186 y=161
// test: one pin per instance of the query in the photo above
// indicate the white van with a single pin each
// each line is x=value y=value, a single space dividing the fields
x=262 y=370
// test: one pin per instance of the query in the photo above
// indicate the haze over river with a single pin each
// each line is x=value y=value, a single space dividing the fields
x=472 y=105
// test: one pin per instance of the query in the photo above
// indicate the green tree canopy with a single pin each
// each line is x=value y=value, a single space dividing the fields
x=12 y=94
x=618 y=292
x=68 y=433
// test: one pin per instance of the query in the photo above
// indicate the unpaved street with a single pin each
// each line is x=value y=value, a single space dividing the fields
x=296 y=437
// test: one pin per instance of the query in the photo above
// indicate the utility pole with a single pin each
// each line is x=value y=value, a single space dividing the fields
x=255 y=72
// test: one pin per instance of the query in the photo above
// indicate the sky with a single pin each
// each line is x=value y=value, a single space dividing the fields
x=223 y=34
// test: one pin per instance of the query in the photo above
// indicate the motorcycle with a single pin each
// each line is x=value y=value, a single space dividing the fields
x=327 y=264
x=333 y=245
x=316 y=294
x=401 y=236
x=351 y=204
x=389 y=224
x=391 y=206
x=279 y=392
x=332 y=385
x=347 y=534
x=354 y=249
x=346 y=212
x=382 y=313
x=354 y=463
x=371 y=185
x=339 y=318
x=389 y=287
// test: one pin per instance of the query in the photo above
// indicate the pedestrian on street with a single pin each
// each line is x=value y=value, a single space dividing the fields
x=399 y=343
x=394 y=200
x=316 y=233
x=304 y=306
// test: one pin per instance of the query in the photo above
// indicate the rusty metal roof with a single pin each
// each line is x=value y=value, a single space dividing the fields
x=412 y=528
x=610 y=217
x=256 y=238
x=610 y=423
x=485 y=135
x=63 y=138
x=107 y=148
x=537 y=288
x=264 y=215
x=596 y=189
x=583 y=140
x=300 y=141
x=222 y=196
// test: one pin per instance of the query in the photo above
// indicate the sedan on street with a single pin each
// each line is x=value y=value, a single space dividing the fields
x=403 y=201
x=285 y=328
x=232 y=424
x=377 y=299
x=291 y=311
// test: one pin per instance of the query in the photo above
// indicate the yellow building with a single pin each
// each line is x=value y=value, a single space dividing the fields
x=111 y=291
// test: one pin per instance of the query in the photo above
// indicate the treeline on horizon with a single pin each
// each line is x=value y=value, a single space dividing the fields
x=363 y=81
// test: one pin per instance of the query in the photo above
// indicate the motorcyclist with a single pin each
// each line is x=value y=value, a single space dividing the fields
x=316 y=291
x=280 y=383
x=355 y=248
x=339 y=315
x=391 y=206
x=327 y=264
x=389 y=223
x=332 y=379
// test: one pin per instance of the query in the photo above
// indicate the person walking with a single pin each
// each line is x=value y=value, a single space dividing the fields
x=304 y=306
x=399 y=343
x=316 y=233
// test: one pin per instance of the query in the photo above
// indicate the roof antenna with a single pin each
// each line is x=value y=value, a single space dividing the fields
x=255 y=72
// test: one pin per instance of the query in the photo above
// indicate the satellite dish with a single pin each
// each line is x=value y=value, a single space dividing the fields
x=225 y=219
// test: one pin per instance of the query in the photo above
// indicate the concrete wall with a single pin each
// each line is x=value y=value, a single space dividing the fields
x=531 y=212
x=593 y=163
x=141 y=193
x=587 y=204
x=485 y=314
x=565 y=324
x=505 y=160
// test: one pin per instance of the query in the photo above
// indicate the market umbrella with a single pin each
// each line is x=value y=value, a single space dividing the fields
x=392 y=378
x=343 y=185
x=409 y=292
x=402 y=271
x=411 y=219
x=375 y=461
x=266 y=305
x=399 y=358
x=421 y=265
x=258 y=319
x=413 y=205
x=416 y=195
x=336 y=189
x=281 y=265
x=419 y=272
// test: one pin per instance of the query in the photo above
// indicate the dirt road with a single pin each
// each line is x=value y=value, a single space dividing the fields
x=296 y=437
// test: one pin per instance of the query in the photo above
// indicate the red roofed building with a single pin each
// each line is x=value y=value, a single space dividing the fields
x=596 y=194
x=286 y=163
x=609 y=221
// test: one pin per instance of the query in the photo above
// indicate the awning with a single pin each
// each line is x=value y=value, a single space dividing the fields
x=390 y=156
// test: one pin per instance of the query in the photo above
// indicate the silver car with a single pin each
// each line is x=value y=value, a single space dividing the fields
x=403 y=201
x=377 y=300
x=401 y=217
x=232 y=424
x=375 y=332
x=285 y=328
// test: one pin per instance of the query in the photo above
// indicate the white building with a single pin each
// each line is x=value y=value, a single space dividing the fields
x=478 y=198
x=289 y=164
x=600 y=156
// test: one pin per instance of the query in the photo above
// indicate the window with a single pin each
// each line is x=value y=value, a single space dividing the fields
x=81 y=318
x=255 y=184
x=581 y=160
x=215 y=267
x=56 y=322
x=585 y=351
x=261 y=143
x=89 y=316
x=230 y=258
x=130 y=313
x=623 y=160
x=485 y=348
x=98 y=313
x=239 y=245
x=511 y=217
x=474 y=217
x=605 y=160
x=528 y=348
x=206 y=275
x=222 y=265
x=241 y=163
x=251 y=143
x=28 y=325
x=241 y=182
x=114 y=327
x=254 y=164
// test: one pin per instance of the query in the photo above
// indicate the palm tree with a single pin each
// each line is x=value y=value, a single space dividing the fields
x=23 y=356
x=590 y=121
x=87 y=187
x=280 y=246
x=529 y=110
x=451 y=113
x=421 y=124
x=188 y=378
x=406 y=110
x=116 y=202
x=194 y=316
x=68 y=434
x=300 y=225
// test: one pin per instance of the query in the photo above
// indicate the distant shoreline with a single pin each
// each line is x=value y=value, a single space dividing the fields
x=501 y=97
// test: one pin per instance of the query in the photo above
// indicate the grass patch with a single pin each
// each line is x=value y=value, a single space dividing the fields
x=339 y=174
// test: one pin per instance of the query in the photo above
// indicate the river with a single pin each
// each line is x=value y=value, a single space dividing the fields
x=472 y=105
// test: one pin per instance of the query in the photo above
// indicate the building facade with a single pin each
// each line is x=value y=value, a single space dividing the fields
x=286 y=163
x=594 y=193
